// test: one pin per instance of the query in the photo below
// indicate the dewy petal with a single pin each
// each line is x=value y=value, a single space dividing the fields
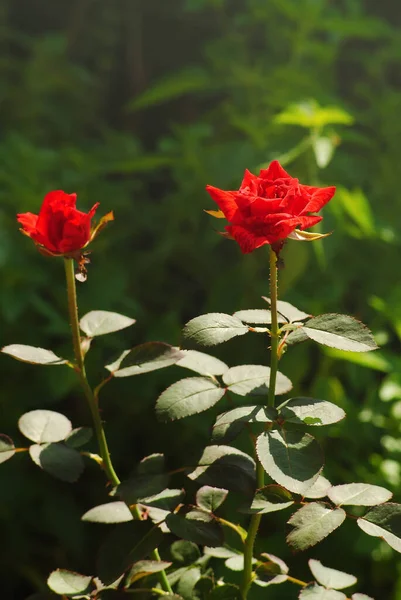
x=274 y=171
x=319 y=197
x=225 y=200
x=28 y=222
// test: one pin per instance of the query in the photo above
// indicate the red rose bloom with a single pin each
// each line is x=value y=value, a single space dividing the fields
x=60 y=228
x=268 y=208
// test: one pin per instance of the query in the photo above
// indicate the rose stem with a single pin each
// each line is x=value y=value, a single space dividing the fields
x=93 y=400
x=260 y=474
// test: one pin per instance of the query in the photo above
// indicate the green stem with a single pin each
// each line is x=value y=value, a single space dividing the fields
x=274 y=332
x=260 y=474
x=92 y=399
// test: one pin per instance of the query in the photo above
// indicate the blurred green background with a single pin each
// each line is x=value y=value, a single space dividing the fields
x=138 y=104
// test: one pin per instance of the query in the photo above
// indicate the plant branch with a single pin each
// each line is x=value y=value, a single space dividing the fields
x=260 y=475
x=93 y=401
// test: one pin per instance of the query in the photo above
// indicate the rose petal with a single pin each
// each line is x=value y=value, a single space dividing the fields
x=274 y=171
x=224 y=200
x=319 y=197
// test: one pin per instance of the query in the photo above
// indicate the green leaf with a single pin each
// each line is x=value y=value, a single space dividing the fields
x=42 y=426
x=184 y=552
x=358 y=494
x=33 y=355
x=272 y=571
x=318 y=489
x=310 y=115
x=230 y=424
x=143 y=568
x=254 y=380
x=213 y=328
x=150 y=479
x=187 y=582
x=227 y=467
x=79 y=437
x=159 y=505
x=125 y=545
x=312 y=523
x=145 y=358
x=330 y=578
x=7 y=448
x=220 y=552
x=228 y=591
x=187 y=397
x=210 y=498
x=338 y=331
x=292 y=458
x=173 y=86
x=101 y=322
x=288 y=311
x=256 y=316
x=68 y=583
x=317 y=592
x=270 y=498
x=112 y=512
x=203 y=587
x=310 y=411
x=58 y=460
x=165 y=500
x=202 y=363
x=384 y=521
x=195 y=526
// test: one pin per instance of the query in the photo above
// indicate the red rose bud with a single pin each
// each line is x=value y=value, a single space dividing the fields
x=269 y=208
x=59 y=228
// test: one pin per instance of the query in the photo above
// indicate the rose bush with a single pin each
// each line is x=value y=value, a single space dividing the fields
x=268 y=208
x=59 y=228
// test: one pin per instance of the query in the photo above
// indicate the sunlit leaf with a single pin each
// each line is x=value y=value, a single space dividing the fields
x=7 y=448
x=254 y=380
x=42 y=426
x=33 y=355
x=310 y=411
x=270 y=498
x=318 y=592
x=255 y=316
x=230 y=424
x=338 y=331
x=202 y=363
x=384 y=521
x=291 y=458
x=112 y=512
x=143 y=568
x=210 y=498
x=358 y=494
x=213 y=328
x=226 y=467
x=318 y=489
x=101 y=322
x=188 y=397
x=330 y=578
x=312 y=523
x=68 y=583
x=144 y=358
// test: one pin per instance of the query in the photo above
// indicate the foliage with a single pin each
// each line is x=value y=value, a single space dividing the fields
x=74 y=117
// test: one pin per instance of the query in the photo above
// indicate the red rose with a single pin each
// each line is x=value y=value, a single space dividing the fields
x=268 y=208
x=60 y=228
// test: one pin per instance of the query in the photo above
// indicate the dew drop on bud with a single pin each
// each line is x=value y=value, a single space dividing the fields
x=81 y=276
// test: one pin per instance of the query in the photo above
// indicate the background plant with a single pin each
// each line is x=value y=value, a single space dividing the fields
x=79 y=64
